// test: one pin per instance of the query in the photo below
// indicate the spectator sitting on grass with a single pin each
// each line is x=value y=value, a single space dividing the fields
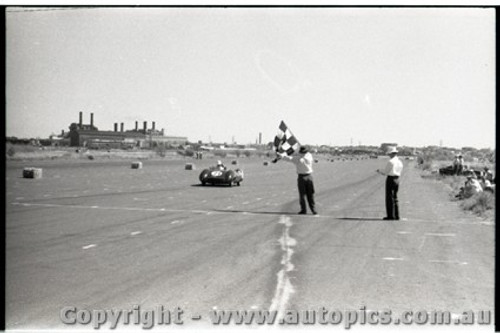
x=488 y=175
x=487 y=185
x=471 y=187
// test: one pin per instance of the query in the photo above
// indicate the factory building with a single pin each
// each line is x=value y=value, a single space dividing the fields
x=88 y=135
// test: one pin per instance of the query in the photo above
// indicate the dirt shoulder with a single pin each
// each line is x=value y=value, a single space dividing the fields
x=435 y=195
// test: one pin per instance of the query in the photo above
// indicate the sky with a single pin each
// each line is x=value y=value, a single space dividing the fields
x=335 y=76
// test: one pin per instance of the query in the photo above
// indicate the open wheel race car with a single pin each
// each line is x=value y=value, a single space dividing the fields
x=216 y=175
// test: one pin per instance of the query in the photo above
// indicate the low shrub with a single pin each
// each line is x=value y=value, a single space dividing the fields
x=186 y=153
x=426 y=165
x=480 y=203
x=11 y=151
x=220 y=153
x=160 y=150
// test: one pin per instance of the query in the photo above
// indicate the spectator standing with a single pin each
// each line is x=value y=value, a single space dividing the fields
x=460 y=164
x=455 y=165
x=303 y=162
x=392 y=170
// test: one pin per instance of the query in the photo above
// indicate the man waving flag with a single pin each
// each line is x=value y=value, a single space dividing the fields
x=285 y=141
x=286 y=145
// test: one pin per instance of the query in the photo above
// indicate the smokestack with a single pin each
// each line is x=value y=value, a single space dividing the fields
x=145 y=126
x=136 y=126
x=116 y=127
x=62 y=132
x=260 y=138
x=121 y=127
x=81 y=119
x=91 y=120
x=153 y=125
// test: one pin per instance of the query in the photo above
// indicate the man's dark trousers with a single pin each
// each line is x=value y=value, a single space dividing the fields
x=391 y=197
x=306 y=189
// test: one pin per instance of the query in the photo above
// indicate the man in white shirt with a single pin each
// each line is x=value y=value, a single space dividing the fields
x=393 y=171
x=303 y=162
x=472 y=186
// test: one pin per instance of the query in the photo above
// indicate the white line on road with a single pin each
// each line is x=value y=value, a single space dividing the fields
x=421 y=246
x=393 y=259
x=404 y=232
x=456 y=262
x=284 y=288
x=440 y=235
x=135 y=233
x=86 y=247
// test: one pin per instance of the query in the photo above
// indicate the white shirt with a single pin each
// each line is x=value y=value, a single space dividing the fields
x=303 y=163
x=472 y=187
x=393 y=167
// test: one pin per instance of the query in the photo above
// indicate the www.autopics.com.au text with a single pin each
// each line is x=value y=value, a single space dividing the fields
x=148 y=318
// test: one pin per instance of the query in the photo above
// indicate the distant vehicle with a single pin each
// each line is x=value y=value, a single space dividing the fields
x=450 y=171
x=447 y=171
x=215 y=175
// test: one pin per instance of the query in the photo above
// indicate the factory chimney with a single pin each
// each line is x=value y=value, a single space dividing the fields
x=91 y=120
x=80 y=123
x=136 y=126
x=116 y=127
x=153 y=125
x=145 y=126
x=121 y=127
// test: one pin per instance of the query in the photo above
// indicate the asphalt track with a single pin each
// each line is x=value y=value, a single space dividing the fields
x=100 y=235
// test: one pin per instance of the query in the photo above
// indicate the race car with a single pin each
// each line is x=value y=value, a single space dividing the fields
x=216 y=175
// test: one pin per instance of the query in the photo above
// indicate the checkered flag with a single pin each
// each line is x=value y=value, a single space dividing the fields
x=285 y=141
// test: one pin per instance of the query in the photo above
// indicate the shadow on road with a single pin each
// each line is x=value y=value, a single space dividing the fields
x=359 y=218
x=212 y=185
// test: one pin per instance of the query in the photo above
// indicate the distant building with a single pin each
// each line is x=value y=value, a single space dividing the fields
x=88 y=135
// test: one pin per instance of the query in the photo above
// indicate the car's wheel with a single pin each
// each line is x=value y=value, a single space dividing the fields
x=204 y=175
x=238 y=183
x=230 y=176
x=203 y=183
